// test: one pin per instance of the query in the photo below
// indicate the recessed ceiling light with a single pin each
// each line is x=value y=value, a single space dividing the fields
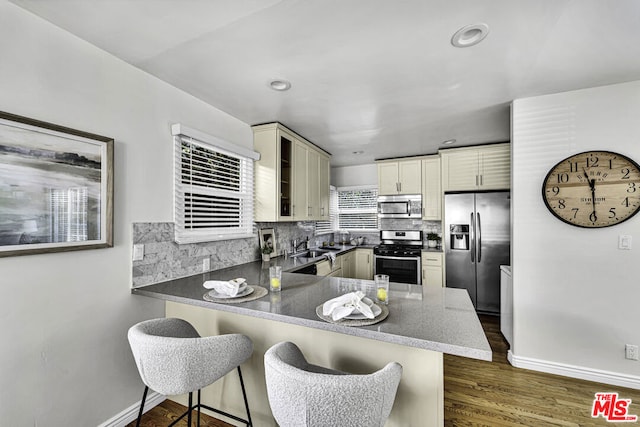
x=358 y=152
x=470 y=35
x=449 y=142
x=279 y=85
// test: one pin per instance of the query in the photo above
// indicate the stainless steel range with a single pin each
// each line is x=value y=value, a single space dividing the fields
x=398 y=256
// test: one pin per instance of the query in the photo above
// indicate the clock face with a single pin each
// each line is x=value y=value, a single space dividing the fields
x=593 y=189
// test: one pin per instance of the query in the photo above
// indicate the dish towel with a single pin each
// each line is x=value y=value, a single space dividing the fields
x=346 y=304
x=230 y=287
x=331 y=257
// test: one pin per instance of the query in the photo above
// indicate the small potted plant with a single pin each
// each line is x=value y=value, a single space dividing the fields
x=267 y=249
x=432 y=240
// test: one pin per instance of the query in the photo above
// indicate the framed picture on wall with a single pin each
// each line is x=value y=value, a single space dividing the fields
x=267 y=240
x=56 y=188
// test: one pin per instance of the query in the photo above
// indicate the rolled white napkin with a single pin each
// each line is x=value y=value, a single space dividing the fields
x=346 y=304
x=229 y=287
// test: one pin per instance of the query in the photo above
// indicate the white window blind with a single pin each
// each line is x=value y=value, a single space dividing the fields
x=358 y=208
x=213 y=191
x=323 y=227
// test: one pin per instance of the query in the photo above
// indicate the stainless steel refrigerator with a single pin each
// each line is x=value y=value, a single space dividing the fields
x=477 y=242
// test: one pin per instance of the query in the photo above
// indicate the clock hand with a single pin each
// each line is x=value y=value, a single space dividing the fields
x=592 y=184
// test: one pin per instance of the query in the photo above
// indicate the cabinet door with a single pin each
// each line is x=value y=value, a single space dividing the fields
x=388 y=178
x=313 y=185
x=348 y=269
x=364 y=264
x=460 y=170
x=410 y=177
x=299 y=206
x=324 y=187
x=495 y=167
x=324 y=268
x=431 y=193
x=432 y=269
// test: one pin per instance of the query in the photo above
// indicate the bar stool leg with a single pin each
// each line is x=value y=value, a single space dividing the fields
x=144 y=397
x=244 y=395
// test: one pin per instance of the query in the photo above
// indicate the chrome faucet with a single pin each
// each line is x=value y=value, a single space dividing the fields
x=297 y=243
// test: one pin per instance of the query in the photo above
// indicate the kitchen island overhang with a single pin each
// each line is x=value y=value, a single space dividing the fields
x=423 y=323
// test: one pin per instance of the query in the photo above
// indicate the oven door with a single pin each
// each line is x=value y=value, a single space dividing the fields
x=399 y=269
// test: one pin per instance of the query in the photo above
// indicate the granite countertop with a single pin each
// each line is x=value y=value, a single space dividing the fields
x=437 y=319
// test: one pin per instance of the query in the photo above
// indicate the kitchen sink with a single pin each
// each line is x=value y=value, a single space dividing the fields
x=311 y=253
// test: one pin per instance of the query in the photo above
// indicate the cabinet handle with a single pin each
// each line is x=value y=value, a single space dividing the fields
x=293 y=210
x=322 y=211
x=308 y=210
x=481 y=180
x=400 y=186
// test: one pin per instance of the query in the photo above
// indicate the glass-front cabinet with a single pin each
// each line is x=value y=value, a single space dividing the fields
x=289 y=177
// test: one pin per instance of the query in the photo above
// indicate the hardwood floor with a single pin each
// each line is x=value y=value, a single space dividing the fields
x=494 y=394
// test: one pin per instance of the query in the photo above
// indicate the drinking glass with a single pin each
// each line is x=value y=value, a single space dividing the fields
x=275 y=278
x=382 y=288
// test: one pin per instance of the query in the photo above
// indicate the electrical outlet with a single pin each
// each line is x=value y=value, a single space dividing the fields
x=631 y=352
x=138 y=252
x=624 y=242
x=206 y=264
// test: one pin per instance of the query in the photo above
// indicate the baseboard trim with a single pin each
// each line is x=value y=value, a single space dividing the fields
x=580 y=372
x=131 y=413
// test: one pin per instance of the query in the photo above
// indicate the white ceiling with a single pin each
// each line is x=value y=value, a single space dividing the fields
x=374 y=75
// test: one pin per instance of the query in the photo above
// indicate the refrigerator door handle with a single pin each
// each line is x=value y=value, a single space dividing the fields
x=473 y=238
x=479 y=242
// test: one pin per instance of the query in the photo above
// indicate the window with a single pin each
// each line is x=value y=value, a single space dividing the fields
x=213 y=188
x=324 y=227
x=358 y=208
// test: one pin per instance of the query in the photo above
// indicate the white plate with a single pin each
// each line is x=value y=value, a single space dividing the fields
x=356 y=315
x=247 y=291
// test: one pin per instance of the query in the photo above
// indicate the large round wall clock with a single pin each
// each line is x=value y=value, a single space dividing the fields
x=593 y=189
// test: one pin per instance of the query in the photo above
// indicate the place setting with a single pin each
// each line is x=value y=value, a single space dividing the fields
x=356 y=309
x=232 y=291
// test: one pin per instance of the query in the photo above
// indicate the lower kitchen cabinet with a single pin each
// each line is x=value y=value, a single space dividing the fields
x=364 y=264
x=348 y=264
x=432 y=269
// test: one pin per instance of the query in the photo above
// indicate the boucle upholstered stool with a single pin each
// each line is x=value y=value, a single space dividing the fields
x=302 y=394
x=173 y=359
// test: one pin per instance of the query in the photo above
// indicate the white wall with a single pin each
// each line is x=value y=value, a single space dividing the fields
x=65 y=360
x=347 y=176
x=576 y=295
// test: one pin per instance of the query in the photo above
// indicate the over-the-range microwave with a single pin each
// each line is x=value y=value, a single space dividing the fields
x=400 y=206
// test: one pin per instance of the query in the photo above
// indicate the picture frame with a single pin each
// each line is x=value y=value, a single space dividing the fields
x=268 y=237
x=56 y=188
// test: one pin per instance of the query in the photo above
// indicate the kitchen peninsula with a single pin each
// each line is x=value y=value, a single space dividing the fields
x=423 y=323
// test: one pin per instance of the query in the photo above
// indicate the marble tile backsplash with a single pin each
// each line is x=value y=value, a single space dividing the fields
x=164 y=259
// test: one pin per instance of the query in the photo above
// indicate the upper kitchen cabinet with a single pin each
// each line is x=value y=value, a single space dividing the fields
x=399 y=177
x=290 y=177
x=486 y=167
x=431 y=192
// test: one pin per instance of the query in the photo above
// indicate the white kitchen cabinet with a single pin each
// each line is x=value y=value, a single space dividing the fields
x=348 y=264
x=431 y=191
x=364 y=264
x=326 y=269
x=273 y=173
x=324 y=172
x=291 y=177
x=300 y=202
x=486 y=167
x=432 y=269
x=400 y=177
